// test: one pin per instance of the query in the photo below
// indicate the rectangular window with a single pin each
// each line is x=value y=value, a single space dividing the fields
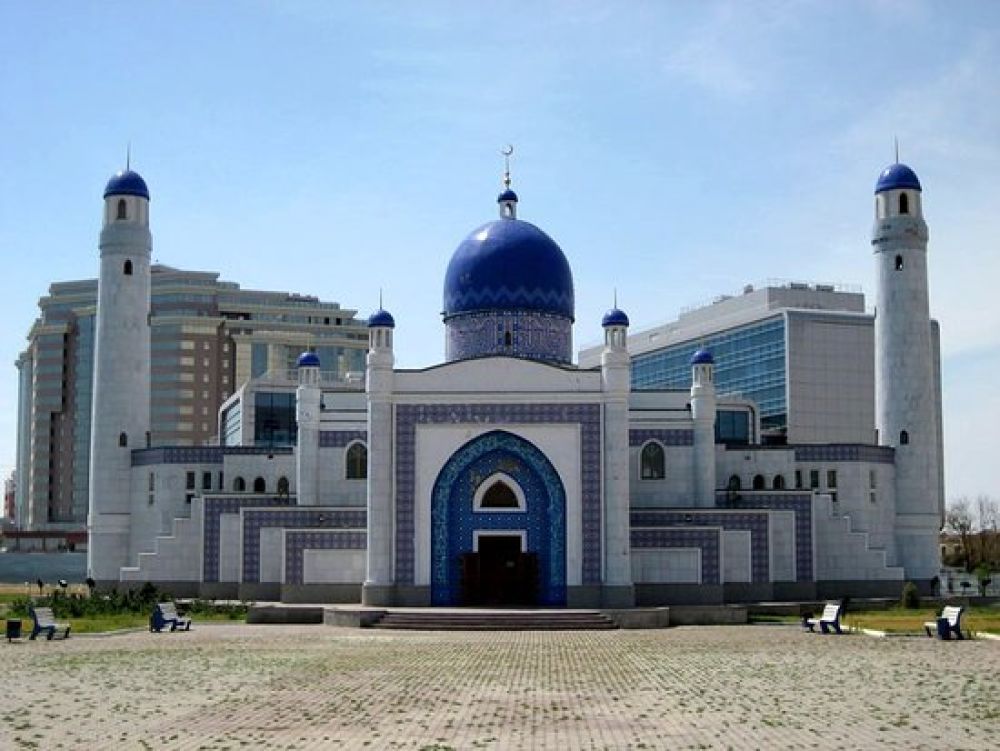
x=206 y=480
x=871 y=496
x=871 y=480
x=190 y=481
x=831 y=478
x=798 y=479
x=152 y=482
x=258 y=359
x=813 y=478
x=221 y=480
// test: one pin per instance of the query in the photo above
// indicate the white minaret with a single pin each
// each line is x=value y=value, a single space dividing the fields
x=308 y=398
x=905 y=398
x=616 y=373
x=120 y=418
x=703 y=414
x=378 y=588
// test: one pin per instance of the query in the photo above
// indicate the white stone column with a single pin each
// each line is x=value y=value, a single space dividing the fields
x=379 y=582
x=308 y=398
x=703 y=411
x=616 y=386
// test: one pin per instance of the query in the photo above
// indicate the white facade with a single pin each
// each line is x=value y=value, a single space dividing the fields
x=499 y=478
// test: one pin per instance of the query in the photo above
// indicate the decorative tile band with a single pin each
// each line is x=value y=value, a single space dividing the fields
x=200 y=454
x=336 y=439
x=709 y=541
x=801 y=505
x=298 y=541
x=588 y=416
x=754 y=522
x=215 y=506
x=666 y=436
x=298 y=517
x=846 y=452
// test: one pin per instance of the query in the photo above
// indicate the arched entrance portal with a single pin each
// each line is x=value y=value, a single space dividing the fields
x=498 y=526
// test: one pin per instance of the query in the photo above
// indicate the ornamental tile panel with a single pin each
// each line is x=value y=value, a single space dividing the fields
x=336 y=439
x=801 y=505
x=666 y=436
x=709 y=541
x=217 y=505
x=298 y=541
x=298 y=517
x=588 y=416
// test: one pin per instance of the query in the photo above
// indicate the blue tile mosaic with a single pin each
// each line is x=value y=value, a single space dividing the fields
x=709 y=541
x=335 y=439
x=754 y=522
x=298 y=517
x=666 y=436
x=298 y=541
x=215 y=506
x=588 y=416
x=454 y=519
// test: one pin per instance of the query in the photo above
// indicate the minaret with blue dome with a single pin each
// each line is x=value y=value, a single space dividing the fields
x=508 y=292
x=906 y=408
x=120 y=417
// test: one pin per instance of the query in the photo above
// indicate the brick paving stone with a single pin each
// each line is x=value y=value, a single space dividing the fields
x=318 y=687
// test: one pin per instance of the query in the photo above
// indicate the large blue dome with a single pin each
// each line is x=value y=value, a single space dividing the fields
x=127 y=183
x=897 y=176
x=508 y=264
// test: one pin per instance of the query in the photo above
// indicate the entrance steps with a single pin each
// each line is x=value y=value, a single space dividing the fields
x=441 y=619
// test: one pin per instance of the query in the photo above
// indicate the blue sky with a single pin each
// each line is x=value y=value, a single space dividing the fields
x=675 y=150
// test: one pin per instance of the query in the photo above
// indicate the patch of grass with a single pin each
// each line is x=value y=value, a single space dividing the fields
x=96 y=624
x=902 y=621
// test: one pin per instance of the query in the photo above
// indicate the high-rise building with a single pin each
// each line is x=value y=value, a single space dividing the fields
x=207 y=336
x=9 y=493
x=805 y=353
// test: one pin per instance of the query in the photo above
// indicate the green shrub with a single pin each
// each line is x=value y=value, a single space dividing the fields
x=911 y=596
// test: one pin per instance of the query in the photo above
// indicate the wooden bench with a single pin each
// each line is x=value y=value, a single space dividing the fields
x=948 y=623
x=830 y=618
x=44 y=621
x=165 y=614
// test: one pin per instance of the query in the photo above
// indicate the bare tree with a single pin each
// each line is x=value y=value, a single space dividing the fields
x=958 y=521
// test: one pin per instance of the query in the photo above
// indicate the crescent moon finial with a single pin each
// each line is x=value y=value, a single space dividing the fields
x=506 y=151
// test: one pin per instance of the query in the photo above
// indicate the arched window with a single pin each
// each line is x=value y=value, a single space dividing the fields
x=778 y=483
x=239 y=485
x=127 y=269
x=899 y=263
x=734 y=483
x=904 y=203
x=499 y=495
x=499 y=492
x=904 y=437
x=356 y=461
x=259 y=486
x=282 y=486
x=758 y=482
x=122 y=209
x=652 y=462
x=123 y=439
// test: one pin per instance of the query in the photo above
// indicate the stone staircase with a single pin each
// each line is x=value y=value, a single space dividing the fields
x=495 y=620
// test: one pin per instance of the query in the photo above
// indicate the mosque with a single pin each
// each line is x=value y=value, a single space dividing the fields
x=507 y=475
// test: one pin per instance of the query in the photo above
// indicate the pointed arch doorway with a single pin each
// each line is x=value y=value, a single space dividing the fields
x=498 y=526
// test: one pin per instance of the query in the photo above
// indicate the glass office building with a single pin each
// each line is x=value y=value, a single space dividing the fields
x=749 y=362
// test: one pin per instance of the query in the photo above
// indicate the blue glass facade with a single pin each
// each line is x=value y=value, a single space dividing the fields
x=749 y=361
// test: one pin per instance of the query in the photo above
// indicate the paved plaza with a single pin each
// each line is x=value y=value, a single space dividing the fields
x=310 y=687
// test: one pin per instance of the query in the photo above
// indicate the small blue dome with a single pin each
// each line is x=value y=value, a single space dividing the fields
x=702 y=357
x=381 y=318
x=127 y=183
x=897 y=176
x=614 y=317
x=307 y=360
x=508 y=264
x=507 y=195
